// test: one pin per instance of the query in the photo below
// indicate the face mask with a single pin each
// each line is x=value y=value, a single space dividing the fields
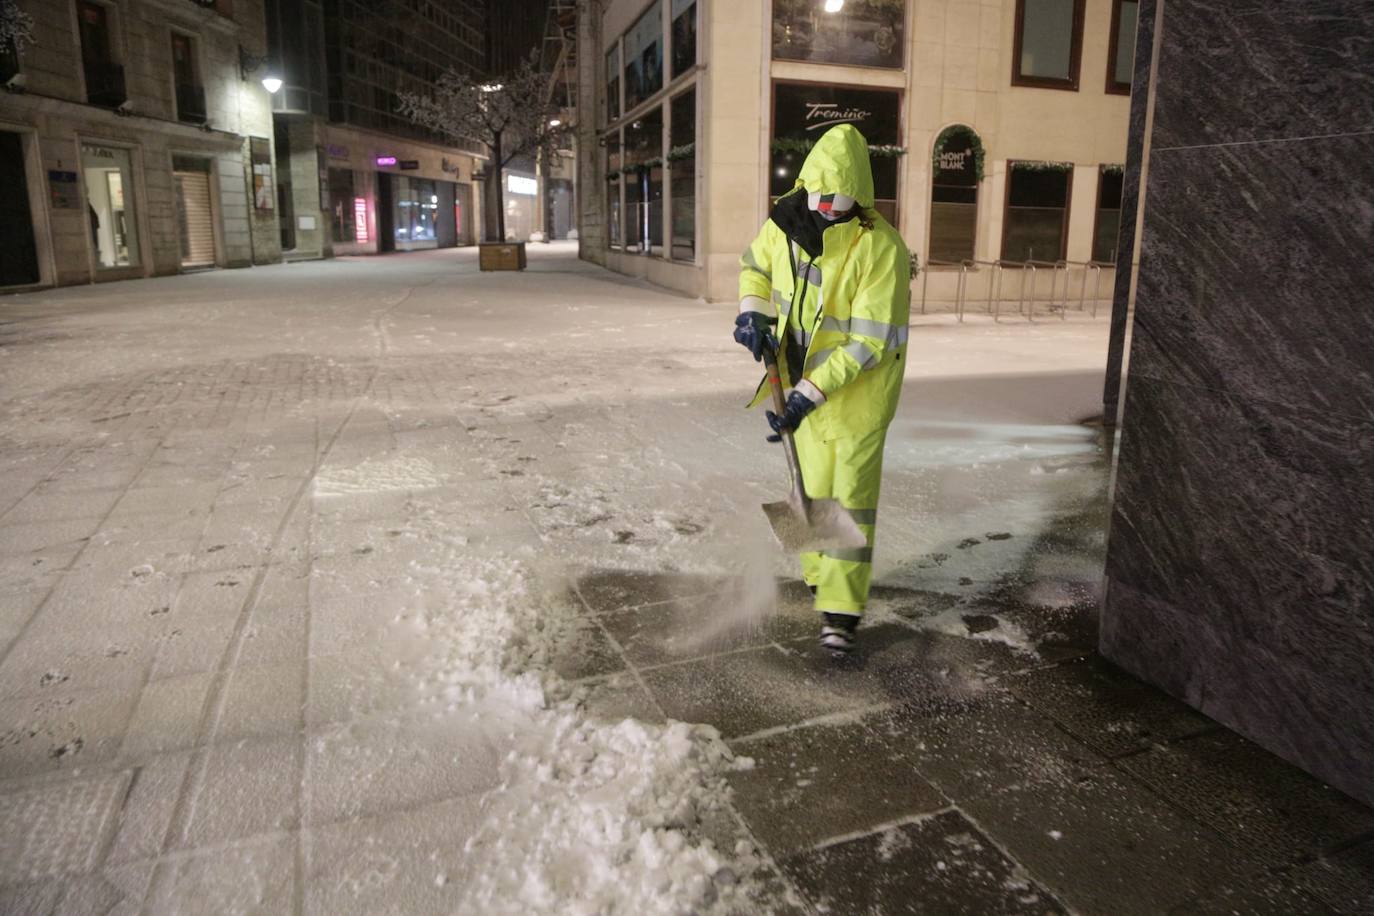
x=829 y=206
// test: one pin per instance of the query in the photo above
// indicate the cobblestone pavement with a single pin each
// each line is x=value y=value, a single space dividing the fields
x=206 y=485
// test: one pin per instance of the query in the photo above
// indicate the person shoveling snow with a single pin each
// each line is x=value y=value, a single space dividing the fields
x=831 y=278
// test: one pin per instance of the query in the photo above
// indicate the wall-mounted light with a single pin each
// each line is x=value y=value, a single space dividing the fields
x=834 y=6
x=555 y=122
x=271 y=80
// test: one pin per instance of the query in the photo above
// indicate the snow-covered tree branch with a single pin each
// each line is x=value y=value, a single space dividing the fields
x=512 y=114
x=16 y=26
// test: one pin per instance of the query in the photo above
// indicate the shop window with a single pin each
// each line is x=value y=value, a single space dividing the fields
x=1121 y=55
x=416 y=213
x=682 y=166
x=644 y=56
x=190 y=93
x=684 y=14
x=1107 y=223
x=614 y=221
x=342 y=219
x=104 y=77
x=1035 y=227
x=108 y=174
x=802 y=112
x=1049 y=42
x=643 y=175
x=613 y=83
x=860 y=33
x=954 y=196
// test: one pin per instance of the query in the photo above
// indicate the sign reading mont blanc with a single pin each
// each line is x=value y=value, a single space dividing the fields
x=804 y=111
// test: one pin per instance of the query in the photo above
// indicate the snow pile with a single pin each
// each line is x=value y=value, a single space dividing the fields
x=588 y=817
x=400 y=473
x=596 y=820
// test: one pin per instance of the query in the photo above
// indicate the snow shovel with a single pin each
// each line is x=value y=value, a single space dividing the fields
x=799 y=522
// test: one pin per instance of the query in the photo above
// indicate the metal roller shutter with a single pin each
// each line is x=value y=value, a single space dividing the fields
x=197 y=225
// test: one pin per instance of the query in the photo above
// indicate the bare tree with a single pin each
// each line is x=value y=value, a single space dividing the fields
x=512 y=114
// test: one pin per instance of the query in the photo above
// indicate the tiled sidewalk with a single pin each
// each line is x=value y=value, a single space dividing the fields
x=939 y=773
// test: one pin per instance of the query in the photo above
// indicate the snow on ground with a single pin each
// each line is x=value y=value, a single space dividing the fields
x=335 y=515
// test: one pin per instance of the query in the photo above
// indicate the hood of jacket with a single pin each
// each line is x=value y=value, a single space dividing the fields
x=838 y=164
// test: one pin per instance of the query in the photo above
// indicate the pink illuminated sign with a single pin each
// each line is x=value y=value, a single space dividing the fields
x=360 y=219
x=386 y=160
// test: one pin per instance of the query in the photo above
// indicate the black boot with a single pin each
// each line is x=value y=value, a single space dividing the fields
x=837 y=633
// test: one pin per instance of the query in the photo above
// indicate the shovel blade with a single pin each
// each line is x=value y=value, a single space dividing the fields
x=827 y=526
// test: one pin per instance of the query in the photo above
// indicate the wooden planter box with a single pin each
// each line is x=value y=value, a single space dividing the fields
x=501 y=255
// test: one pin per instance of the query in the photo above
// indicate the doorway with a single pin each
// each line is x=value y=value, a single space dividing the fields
x=108 y=173
x=19 y=255
x=195 y=218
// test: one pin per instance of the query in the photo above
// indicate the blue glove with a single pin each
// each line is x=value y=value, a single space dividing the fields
x=794 y=411
x=754 y=330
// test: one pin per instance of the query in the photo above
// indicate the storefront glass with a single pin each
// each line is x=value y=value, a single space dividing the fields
x=416 y=213
x=343 y=221
x=108 y=174
x=1037 y=217
x=644 y=183
x=682 y=165
x=861 y=33
x=954 y=197
x=1107 y=224
x=684 y=13
x=613 y=213
x=644 y=56
x=802 y=112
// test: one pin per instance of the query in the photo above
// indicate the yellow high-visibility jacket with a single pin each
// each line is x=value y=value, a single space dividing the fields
x=850 y=304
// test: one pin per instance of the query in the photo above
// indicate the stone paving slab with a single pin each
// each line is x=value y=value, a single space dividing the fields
x=1106 y=708
x=816 y=783
x=940 y=864
x=1101 y=841
x=1274 y=811
x=748 y=691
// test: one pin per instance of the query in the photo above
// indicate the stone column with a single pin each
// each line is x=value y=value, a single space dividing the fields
x=1241 y=554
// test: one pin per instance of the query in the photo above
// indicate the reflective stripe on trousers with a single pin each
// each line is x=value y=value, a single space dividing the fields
x=849 y=470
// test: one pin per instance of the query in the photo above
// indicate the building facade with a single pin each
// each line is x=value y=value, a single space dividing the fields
x=133 y=143
x=357 y=176
x=997 y=127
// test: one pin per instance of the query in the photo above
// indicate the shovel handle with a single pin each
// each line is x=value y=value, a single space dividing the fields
x=770 y=362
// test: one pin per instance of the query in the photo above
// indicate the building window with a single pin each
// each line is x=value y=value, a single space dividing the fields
x=954 y=196
x=860 y=33
x=104 y=77
x=1121 y=56
x=1049 y=42
x=614 y=163
x=1036 y=224
x=644 y=183
x=1107 y=224
x=108 y=173
x=9 y=60
x=644 y=56
x=684 y=14
x=682 y=166
x=803 y=111
x=342 y=218
x=190 y=93
x=613 y=83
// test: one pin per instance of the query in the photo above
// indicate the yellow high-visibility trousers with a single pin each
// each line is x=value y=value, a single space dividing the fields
x=849 y=470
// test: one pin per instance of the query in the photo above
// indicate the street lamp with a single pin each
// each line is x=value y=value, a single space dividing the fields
x=271 y=81
x=834 y=6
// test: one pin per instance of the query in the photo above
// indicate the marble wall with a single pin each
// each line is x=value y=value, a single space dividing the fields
x=1241 y=557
